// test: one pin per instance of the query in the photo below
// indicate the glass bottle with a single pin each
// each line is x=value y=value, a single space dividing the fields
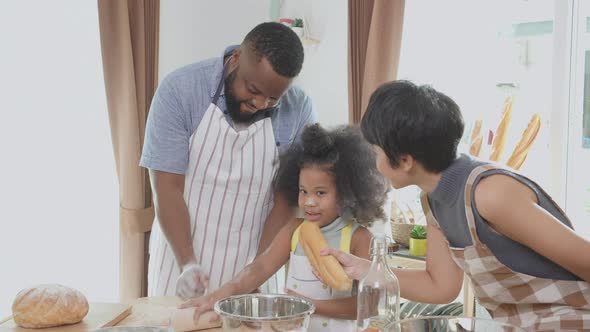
x=378 y=291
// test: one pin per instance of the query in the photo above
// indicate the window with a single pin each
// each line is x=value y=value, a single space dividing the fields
x=578 y=126
x=480 y=53
x=58 y=191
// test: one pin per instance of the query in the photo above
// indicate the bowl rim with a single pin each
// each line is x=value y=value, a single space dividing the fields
x=224 y=314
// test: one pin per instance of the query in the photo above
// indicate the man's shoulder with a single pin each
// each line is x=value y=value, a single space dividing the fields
x=295 y=98
x=188 y=76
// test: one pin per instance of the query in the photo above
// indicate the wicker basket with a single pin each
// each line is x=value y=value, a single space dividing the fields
x=400 y=232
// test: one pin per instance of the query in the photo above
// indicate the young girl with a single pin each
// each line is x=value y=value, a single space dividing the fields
x=527 y=265
x=332 y=178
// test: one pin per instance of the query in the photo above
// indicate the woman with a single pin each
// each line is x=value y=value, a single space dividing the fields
x=521 y=253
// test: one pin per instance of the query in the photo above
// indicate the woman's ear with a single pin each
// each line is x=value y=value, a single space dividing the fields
x=406 y=162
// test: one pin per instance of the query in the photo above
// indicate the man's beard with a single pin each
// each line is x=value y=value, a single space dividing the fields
x=232 y=104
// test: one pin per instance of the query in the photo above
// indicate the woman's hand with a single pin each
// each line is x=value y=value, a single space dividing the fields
x=355 y=267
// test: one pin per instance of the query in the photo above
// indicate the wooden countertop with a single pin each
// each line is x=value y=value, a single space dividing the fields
x=154 y=311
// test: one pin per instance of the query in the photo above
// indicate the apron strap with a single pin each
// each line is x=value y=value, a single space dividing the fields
x=220 y=84
x=295 y=238
x=345 y=238
x=430 y=219
x=469 y=199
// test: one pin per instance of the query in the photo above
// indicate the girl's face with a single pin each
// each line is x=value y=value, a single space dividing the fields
x=317 y=195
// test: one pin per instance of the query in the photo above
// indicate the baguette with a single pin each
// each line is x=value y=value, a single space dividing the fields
x=48 y=305
x=521 y=150
x=312 y=241
x=475 y=133
x=475 y=147
x=502 y=131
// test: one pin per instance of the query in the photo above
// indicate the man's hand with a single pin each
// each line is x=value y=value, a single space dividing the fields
x=202 y=305
x=355 y=267
x=192 y=282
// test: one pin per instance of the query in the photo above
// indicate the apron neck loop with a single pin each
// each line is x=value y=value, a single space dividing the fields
x=221 y=83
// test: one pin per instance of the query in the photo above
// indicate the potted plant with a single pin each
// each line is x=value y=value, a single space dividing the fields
x=418 y=241
x=297 y=26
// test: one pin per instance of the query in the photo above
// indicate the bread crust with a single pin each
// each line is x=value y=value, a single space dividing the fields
x=502 y=131
x=48 y=306
x=312 y=241
x=523 y=147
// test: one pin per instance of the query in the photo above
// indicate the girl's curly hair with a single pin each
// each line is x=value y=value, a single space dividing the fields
x=344 y=153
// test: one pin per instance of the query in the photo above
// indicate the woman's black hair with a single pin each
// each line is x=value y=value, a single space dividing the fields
x=344 y=153
x=403 y=118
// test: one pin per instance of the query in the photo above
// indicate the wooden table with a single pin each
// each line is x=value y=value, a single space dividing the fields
x=403 y=259
x=154 y=311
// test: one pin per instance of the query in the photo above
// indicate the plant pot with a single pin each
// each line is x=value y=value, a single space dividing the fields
x=298 y=31
x=417 y=247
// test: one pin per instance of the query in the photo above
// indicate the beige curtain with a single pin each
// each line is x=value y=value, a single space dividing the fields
x=374 y=41
x=129 y=40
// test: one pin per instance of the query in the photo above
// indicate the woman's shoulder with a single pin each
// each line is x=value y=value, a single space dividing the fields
x=499 y=191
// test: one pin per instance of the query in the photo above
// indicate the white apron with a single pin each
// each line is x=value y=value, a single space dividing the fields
x=228 y=193
x=300 y=279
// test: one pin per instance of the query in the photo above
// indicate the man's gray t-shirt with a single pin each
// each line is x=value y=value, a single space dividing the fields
x=181 y=101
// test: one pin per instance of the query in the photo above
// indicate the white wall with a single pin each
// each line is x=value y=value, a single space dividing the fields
x=191 y=31
x=325 y=73
x=58 y=192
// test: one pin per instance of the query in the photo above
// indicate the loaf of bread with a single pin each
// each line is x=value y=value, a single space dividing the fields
x=475 y=147
x=476 y=132
x=502 y=131
x=182 y=320
x=312 y=241
x=48 y=305
x=521 y=150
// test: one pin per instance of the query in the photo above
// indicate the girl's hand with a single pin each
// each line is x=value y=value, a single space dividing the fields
x=355 y=267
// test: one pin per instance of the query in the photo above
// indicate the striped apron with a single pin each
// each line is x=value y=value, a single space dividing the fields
x=301 y=279
x=228 y=193
x=535 y=304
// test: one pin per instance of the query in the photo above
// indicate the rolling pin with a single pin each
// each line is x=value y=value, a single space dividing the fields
x=182 y=320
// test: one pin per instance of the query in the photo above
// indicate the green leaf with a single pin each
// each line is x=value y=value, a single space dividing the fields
x=418 y=232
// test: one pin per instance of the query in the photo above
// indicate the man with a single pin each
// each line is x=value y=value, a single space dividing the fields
x=214 y=131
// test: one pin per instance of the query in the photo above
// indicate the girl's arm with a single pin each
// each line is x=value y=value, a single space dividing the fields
x=345 y=308
x=254 y=274
x=512 y=209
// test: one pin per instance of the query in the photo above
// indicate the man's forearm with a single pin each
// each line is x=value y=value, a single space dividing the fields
x=175 y=223
x=278 y=217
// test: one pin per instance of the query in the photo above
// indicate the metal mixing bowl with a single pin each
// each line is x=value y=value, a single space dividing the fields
x=264 y=312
